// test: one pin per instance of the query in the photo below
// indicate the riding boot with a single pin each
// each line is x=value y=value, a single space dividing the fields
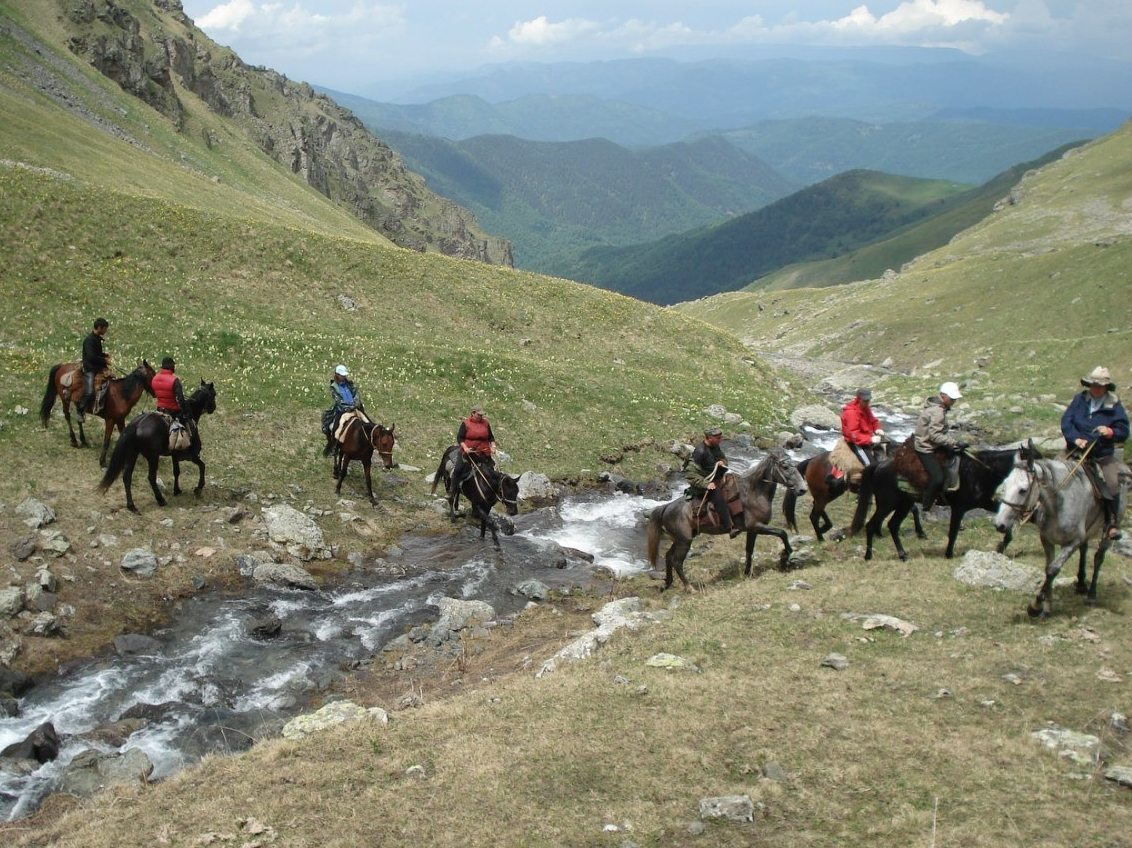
x=329 y=449
x=1111 y=530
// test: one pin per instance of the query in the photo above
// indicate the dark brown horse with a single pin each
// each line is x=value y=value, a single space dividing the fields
x=757 y=487
x=360 y=439
x=815 y=470
x=66 y=382
x=148 y=436
x=484 y=488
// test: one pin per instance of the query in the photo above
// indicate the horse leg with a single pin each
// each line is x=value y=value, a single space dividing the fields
x=1098 y=558
x=344 y=464
x=674 y=561
x=748 y=564
x=953 y=531
x=767 y=530
x=127 y=480
x=1006 y=538
x=819 y=519
x=1043 y=603
x=369 y=484
x=152 y=477
x=898 y=516
x=107 y=433
x=199 y=463
x=70 y=429
x=872 y=530
x=920 y=534
x=176 y=475
x=1081 y=587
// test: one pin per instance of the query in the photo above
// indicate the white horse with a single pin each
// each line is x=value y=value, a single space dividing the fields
x=1065 y=507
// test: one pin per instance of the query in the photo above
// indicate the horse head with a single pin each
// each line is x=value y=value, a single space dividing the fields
x=787 y=473
x=1019 y=494
x=383 y=440
x=146 y=374
x=509 y=493
x=204 y=398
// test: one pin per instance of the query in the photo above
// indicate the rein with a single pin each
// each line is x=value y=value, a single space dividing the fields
x=479 y=473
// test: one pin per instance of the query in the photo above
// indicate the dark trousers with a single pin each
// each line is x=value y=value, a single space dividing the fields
x=88 y=391
x=720 y=503
x=935 y=478
x=462 y=468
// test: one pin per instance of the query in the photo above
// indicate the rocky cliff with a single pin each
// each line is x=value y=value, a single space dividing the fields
x=154 y=51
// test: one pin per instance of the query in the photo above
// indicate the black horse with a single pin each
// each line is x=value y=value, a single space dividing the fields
x=486 y=487
x=148 y=436
x=980 y=475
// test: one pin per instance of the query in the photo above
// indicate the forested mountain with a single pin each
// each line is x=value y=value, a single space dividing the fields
x=552 y=200
x=818 y=222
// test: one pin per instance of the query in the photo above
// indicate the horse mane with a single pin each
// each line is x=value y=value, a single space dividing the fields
x=755 y=472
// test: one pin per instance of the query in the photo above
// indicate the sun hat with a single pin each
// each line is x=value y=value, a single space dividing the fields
x=1099 y=377
x=477 y=408
x=950 y=389
x=865 y=394
x=341 y=371
x=712 y=431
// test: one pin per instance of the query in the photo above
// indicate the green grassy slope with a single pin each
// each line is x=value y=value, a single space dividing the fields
x=825 y=220
x=871 y=261
x=552 y=200
x=1023 y=303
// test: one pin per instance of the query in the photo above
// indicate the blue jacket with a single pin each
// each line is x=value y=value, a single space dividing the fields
x=343 y=395
x=1078 y=423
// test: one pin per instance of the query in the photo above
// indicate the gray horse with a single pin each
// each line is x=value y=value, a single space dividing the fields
x=1063 y=504
x=757 y=486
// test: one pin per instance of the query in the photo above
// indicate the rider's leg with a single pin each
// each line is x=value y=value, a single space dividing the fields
x=1108 y=480
x=88 y=395
x=460 y=469
x=935 y=479
x=720 y=504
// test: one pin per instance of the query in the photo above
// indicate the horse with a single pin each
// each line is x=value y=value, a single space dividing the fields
x=980 y=474
x=1062 y=502
x=148 y=436
x=815 y=470
x=66 y=381
x=483 y=488
x=360 y=439
x=757 y=486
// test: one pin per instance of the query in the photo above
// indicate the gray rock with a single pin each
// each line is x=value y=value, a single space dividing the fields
x=265 y=626
x=23 y=547
x=92 y=771
x=536 y=486
x=456 y=614
x=41 y=745
x=1119 y=774
x=136 y=643
x=9 y=707
x=247 y=563
x=46 y=580
x=672 y=662
x=995 y=571
x=35 y=513
x=40 y=600
x=43 y=624
x=818 y=417
x=835 y=661
x=53 y=542
x=139 y=561
x=735 y=808
x=337 y=712
x=14 y=682
x=11 y=602
x=1080 y=748
x=284 y=574
x=298 y=532
x=533 y=589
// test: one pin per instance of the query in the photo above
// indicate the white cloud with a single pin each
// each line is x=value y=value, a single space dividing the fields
x=227 y=16
x=272 y=30
x=540 y=32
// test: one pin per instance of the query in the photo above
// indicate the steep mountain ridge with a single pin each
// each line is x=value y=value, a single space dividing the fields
x=152 y=51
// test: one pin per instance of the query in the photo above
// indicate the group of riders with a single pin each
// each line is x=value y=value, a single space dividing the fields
x=1093 y=424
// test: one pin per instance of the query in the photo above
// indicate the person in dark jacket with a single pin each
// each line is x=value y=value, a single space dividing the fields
x=1095 y=421
x=344 y=397
x=476 y=444
x=95 y=361
x=705 y=477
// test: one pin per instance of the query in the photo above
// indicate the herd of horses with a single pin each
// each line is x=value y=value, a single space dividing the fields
x=1017 y=485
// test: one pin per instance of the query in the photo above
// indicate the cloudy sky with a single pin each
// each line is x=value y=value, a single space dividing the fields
x=347 y=43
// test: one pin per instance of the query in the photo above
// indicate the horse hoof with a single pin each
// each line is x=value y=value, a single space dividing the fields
x=133 y=509
x=1091 y=601
x=1035 y=612
x=1080 y=589
x=903 y=557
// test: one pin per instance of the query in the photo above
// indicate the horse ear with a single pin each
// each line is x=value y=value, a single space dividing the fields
x=392 y=427
x=1030 y=454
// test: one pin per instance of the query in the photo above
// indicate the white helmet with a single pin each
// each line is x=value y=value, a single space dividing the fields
x=341 y=371
x=951 y=390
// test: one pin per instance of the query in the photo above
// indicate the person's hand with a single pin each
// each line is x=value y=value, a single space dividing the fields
x=1081 y=443
x=876 y=439
x=1105 y=431
x=711 y=486
x=881 y=432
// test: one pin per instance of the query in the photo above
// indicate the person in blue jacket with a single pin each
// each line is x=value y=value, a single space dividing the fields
x=1096 y=422
x=343 y=398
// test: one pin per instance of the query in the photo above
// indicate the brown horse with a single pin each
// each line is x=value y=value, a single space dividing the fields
x=757 y=486
x=66 y=382
x=360 y=439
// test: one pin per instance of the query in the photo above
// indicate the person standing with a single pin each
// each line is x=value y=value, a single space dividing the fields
x=95 y=361
x=932 y=434
x=705 y=474
x=1092 y=424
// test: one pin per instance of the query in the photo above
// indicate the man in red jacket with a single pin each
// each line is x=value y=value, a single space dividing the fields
x=859 y=427
x=168 y=392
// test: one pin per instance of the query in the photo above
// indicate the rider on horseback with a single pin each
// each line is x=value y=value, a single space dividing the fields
x=95 y=362
x=477 y=448
x=169 y=392
x=860 y=427
x=343 y=398
x=704 y=474
x=932 y=435
x=1092 y=424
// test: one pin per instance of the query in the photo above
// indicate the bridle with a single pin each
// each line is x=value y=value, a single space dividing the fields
x=481 y=480
x=376 y=434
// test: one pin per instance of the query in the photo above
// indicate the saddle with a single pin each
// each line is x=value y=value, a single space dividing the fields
x=844 y=460
x=72 y=383
x=180 y=436
x=346 y=421
x=704 y=514
x=911 y=477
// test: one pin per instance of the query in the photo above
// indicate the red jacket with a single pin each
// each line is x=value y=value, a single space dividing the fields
x=858 y=423
x=476 y=435
x=166 y=395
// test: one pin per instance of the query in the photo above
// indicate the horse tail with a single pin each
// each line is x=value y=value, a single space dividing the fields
x=125 y=445
x=439 y=470
x=49 y=395
x=790 y=499
x=863 y=497
x=652 y=544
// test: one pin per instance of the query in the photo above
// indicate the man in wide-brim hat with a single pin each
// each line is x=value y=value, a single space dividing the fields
x=1095 y=422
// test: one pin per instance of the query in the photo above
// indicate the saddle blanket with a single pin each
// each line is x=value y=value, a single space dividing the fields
x=844 y=460
x=950 y=479
x=346 y=420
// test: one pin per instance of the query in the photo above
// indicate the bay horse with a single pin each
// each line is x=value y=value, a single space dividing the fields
x=361 y=438
x=1065 y=507
x=757 y=487
x=980 y=474
x=148 y=436
x=815 y=470
x=65 y=381
x=485 y=487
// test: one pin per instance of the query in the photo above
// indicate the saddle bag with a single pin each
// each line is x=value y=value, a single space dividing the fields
x=179 y=437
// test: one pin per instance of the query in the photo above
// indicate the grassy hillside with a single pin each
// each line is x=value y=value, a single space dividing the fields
x=553 y=200
x=818 y=222
x=872 y=260
x=811 y=149
x=1017 y=307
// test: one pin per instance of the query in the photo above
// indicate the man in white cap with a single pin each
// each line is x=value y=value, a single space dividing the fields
x=343 y=398
x=1094 y=423
x=932 y=434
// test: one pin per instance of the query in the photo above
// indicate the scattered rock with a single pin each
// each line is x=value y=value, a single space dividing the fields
x=41 y=745
x=301 y=536
x=53 y=542
x=11 y=602
x=996 y=571
x=265 y=626
x=672 y=662
x=735 y=808
x=536 y=487
x=35 y=513
x=136 y=643
x=625 y=612
x=14 y=682
x=835 y=661
x=23 y=547
x=456 y=614
x=818 y=417
x=332 y=714
x=1080 y=748
x=877 y=621
x=92 y=771
x=139 y=561
x=1119 y=774
x=533 y=589
x=284 y=574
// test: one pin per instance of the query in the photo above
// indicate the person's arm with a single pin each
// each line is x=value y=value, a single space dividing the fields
x=1119 y=425
x=852 y=427
x=1071 y=426
x=461 y=435
x=179 y=396
x=937 y=435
